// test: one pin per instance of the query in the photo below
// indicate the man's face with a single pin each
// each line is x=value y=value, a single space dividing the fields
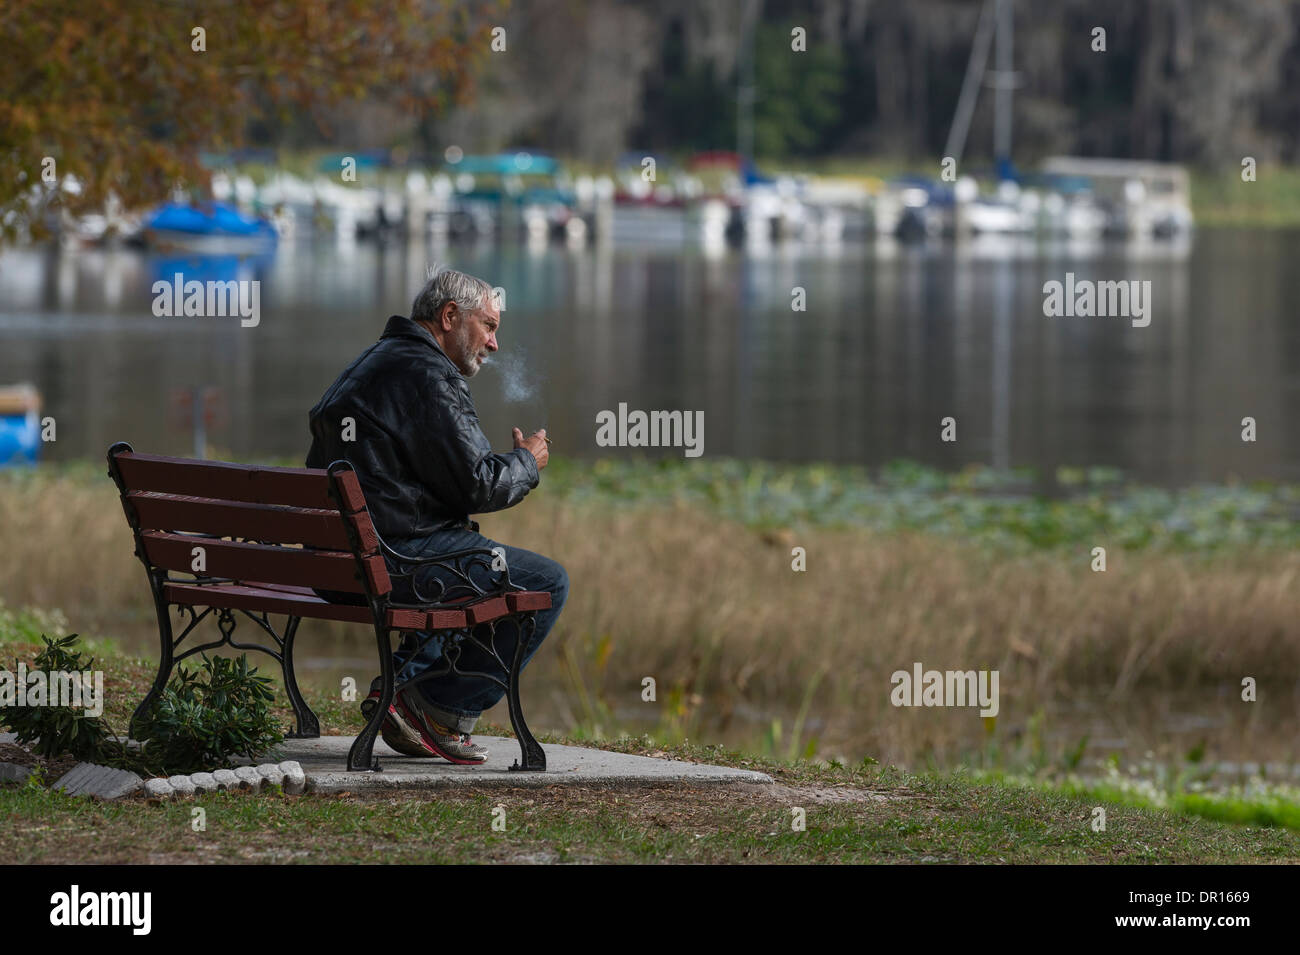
x=475 y=337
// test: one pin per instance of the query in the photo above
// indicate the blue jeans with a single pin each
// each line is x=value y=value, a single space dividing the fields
x=455 y=700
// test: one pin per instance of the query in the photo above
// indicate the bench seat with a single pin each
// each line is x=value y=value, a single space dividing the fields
x=304 y=602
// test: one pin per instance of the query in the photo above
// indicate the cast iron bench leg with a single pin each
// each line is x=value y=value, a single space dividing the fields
x=361 y=755
x=308 y=726
x=164 y=658
x=534 y=758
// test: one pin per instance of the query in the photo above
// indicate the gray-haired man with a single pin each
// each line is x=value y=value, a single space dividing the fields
x=425 y=466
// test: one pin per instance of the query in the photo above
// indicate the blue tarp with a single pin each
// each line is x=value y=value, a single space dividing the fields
x=209 y=218
x=20 y=439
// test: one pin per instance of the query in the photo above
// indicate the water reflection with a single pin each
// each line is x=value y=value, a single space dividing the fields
x=893 y=340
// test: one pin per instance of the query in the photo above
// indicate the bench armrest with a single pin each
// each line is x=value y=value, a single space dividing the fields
x=458 y=584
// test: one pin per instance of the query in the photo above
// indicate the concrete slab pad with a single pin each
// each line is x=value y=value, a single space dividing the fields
x=324 y=762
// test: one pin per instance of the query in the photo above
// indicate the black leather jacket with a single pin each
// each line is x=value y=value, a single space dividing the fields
x=421 y=457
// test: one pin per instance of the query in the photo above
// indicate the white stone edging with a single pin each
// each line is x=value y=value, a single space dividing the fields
x=243 y=778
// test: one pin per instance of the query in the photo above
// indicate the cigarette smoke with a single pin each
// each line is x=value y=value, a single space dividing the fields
x=517 y=382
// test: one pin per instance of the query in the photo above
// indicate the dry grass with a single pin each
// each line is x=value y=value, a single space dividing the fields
x=715 y=614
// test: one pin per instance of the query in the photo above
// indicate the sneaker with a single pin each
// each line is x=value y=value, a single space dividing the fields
x=396 y=732
x=450 y=745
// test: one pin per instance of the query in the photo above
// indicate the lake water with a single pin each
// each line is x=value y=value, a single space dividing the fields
x=893 y=339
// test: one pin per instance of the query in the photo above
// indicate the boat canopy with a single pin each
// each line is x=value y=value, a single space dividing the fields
x=1172 y=175
x=506 y=164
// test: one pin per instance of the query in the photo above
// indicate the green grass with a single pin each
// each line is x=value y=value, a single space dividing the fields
x=1256 y=803
x=1271 y=201
x=997 y=508
x=863 y=813
x=1006 y=509
x=906 y=564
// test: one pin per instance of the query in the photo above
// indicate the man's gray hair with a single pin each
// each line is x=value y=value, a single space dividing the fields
x=448 y=285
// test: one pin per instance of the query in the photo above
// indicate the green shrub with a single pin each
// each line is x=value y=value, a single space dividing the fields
x=204 y=718
x=207 y=716
x=51 y=731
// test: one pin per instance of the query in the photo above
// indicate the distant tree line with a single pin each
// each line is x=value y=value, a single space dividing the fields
x=1201 y=81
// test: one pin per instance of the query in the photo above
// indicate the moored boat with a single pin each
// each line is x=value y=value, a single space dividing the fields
x=213 y=227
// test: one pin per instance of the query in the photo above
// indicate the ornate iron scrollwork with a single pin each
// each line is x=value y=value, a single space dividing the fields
x=456 y=585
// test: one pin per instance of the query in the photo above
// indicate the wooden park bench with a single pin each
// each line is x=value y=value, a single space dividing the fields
x=255 y=541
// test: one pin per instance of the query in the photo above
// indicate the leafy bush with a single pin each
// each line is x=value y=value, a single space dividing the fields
x=51 y=731
x=203 y=719
x=199 y=724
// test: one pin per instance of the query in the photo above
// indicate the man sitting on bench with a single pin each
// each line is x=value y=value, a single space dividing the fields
x=425 y=466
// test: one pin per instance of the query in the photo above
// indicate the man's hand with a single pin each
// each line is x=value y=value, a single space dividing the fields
x=536 y=443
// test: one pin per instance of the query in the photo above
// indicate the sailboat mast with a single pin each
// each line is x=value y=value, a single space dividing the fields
x=1004 y=82
x=979 y=54
x=745 y=91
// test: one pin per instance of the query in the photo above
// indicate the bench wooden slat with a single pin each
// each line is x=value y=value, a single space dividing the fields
x=314 y=527
x=329 y=570
x=366 y=532
x=485 y=609
x=255 y=598
x=522 y=600
x=446 y=620
x=296 y=487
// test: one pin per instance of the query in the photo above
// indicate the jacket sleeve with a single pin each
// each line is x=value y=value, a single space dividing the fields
x=454 y=457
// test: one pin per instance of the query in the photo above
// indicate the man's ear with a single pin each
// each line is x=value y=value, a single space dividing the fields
x=447 y=317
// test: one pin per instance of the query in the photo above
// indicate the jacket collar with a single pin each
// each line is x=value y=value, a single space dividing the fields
x=399 y=326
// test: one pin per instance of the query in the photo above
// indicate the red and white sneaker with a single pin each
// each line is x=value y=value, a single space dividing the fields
x=399 y=734
x=447 y=743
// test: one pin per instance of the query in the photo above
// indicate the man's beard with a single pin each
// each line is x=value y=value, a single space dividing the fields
x=469 y=362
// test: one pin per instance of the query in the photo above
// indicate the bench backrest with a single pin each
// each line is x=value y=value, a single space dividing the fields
x=291 y=526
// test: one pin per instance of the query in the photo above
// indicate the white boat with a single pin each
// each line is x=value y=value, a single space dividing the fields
x=1147 y=199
